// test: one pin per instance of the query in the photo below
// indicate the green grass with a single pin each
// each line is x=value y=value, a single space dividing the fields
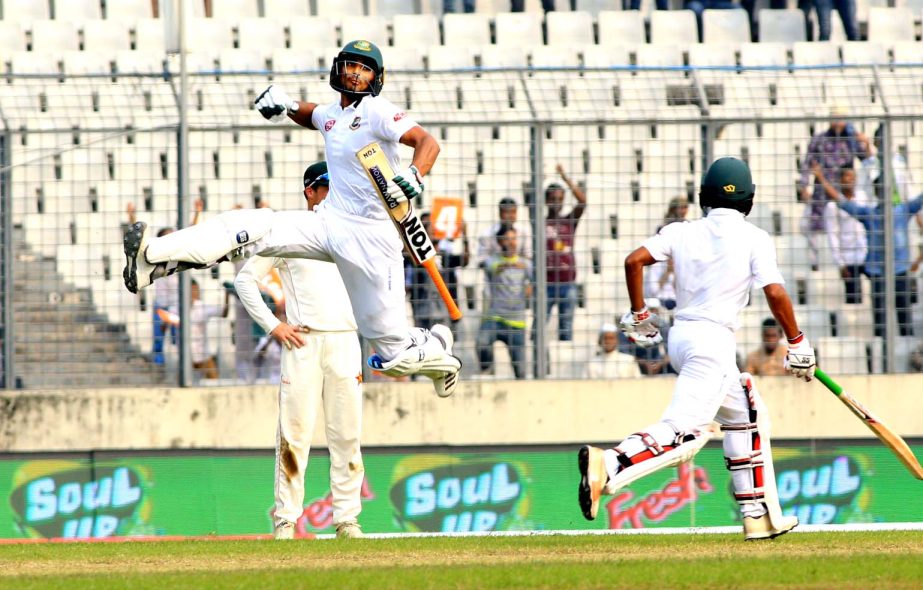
x=816 y=560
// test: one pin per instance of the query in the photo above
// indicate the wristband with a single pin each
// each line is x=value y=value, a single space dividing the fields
x=797 y=339
x=642 y=314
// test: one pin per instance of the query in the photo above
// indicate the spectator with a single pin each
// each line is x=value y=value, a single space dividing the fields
x=509 y=291
x=872 y=217
x=508 y=213
x=267 y=356
x=560 y=263
x=454 y=253
x=659 y=277
x=166 y=292
x=204 y=360
x=901 y=188
x=846 y=236
x=610 y=362
x=449 y=6
x=847 y=10
x=916 y=359
x=834 y=149
x=519 y=5
x=652 y=360
x=425 y=301
x=769 y=358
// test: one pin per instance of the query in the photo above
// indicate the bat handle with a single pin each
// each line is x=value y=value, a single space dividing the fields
x=829 y=383
x=433 y=272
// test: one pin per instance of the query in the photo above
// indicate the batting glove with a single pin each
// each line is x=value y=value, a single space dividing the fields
x=274 y=104
x=800 y=360
x=408 y=182
x=642 y=327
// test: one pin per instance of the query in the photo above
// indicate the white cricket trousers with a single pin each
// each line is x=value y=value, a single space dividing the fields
x=325 y=367
x=708 y=386
x=367 y=253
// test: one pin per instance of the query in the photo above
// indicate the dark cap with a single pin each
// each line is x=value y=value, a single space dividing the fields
x=507 y=202
x=316 y=175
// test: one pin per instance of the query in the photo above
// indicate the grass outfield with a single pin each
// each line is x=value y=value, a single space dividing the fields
x=881 y=560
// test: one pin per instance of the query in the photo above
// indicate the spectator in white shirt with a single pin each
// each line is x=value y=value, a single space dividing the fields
x=609 y=363
x=846 y=236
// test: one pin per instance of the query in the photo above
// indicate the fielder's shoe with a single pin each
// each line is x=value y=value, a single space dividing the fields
x=284 y=531
x=138 y=271
x=756 y=529
x=446 y=383
x=349 y=530
x=593 y=478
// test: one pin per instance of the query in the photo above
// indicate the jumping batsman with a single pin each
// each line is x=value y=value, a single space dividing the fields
x=716 y=260
x=351 y=227
x=320 y=357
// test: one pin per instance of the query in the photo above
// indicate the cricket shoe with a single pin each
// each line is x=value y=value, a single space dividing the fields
x=138 y=272
x=757 y=529
x=284 y=531
x=349 y=530
x=446 y=382
x=593 y=478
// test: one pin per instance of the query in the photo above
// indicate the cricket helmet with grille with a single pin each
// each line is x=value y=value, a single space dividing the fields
x=362 y=52
x=728 y=184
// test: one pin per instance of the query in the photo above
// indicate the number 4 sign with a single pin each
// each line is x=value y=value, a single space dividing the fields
x=445 y=217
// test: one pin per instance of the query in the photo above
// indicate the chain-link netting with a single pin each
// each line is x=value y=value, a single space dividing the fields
x=85 y=155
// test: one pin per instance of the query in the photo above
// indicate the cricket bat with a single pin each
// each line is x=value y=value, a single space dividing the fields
x=891 y=440
x=406 y=221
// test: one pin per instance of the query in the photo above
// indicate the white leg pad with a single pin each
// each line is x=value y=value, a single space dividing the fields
x=748 y=456
x=211 y=240
x=686 y=447
x=427 y=356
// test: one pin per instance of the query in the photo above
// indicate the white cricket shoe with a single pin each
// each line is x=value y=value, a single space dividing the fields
x=593 y=478
x=137 y=272
x=284 y=531
x=446 y=383
x=349 y=530
x=756 y=529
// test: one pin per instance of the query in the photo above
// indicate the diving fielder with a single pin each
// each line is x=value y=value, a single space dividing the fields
x=717 y=260
x=350 y=228
x=320 y=356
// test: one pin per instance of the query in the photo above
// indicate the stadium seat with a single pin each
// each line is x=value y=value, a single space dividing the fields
x=842 y=355
x=29 y=62
x=442 y=57
x=781 y=26
x=888 y=25
x=234 y=9
x=12 y=37
x=603 y=57
x=402 y=59
x=138 y=62
x=76 y=10
x=104 y=35
x=519 y=28
x=370 y=28
x=416 y=31
x=621 y=28
x=726 y=27
x=466 y=29
x=340 y=8
x=50 y=36
x=25 y=11
x=285 y=9
x=87 y=62
x=673 y=27
x=149 y=35
x=570 y=28
x=910 y=52
x=261 y=33
x=764 y=54
x=211 y=34
x=128 y=10
x=311 y=32
x=661 y=55
x=864 y=52
x=805 y=53
x=391 y=8
x=712 y=55
x=494 y=56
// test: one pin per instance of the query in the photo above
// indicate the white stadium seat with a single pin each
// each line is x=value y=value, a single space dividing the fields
x=105 y=35
x=209 y=34
x=149 y=35
x=76 y=10
x=369 y=28
x=391 y=8
x=864 y=52
x=726 y=27
x=466 y=29
x=285 y=9
x=128 y=10
x=765 y=53
x=443 y=57
x=416 y=30
x=261 y=33
x=49 y=36
x=782 y=26
x=24 y=11
x=519 y=28
x=311 y=32
x=569 y=28
x=888 y=25
x=340 y=8
x=234 y=9
x=12 y=37
x=621 y=28
x=594 y=7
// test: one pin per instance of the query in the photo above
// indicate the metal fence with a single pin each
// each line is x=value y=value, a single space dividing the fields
x=78 y=151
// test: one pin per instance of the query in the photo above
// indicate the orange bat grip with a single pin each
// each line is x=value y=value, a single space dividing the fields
x=433 y=272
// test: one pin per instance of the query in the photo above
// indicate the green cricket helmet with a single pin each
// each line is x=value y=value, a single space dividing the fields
x=728 y=184
x=362 y=52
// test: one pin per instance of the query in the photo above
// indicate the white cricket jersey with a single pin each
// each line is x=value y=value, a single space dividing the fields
x=716 y=261
x=345 y=132
x=846 y=236
x=315 y=296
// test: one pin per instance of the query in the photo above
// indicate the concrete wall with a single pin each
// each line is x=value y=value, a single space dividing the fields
x=480 y=413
